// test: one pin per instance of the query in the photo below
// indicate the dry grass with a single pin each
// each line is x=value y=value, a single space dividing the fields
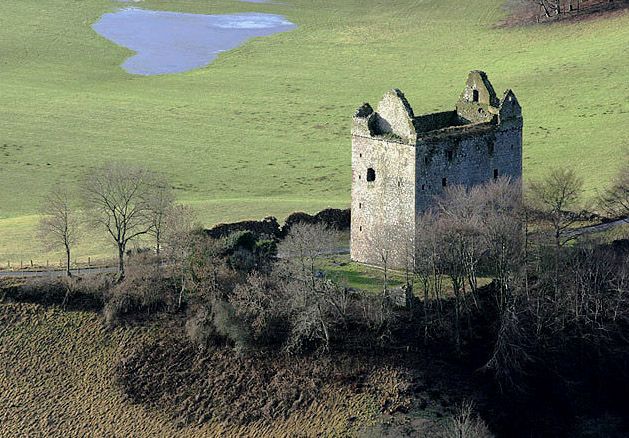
x=57 y=378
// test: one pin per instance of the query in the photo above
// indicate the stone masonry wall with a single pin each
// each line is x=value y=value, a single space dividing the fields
x=411 y=159
x=468 y=160
x=383 y=209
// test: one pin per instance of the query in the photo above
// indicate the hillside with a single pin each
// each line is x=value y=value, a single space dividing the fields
x=264 y=130
x=58 y=378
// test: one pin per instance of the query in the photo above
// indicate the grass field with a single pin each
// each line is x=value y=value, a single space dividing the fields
x=356 y=275
x=264 y=130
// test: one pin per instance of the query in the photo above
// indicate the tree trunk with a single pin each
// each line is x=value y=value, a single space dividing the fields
x=181 y=291
x=68 y=273
x=121 y=248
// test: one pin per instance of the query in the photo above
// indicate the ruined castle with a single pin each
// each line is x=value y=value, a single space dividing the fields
x=400 y=162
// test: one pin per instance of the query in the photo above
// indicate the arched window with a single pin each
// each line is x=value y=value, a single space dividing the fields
x=371 y=175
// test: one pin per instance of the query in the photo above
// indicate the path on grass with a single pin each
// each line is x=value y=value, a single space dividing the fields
x=596 y=228
x=337 y=251
x=57 y=272
x=110 y=269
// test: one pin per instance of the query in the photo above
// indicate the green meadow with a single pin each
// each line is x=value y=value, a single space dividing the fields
x=264 y=130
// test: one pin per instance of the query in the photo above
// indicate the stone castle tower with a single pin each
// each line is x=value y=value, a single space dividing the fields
x=400 y=162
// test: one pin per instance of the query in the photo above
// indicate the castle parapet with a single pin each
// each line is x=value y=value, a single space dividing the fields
x=477 y=109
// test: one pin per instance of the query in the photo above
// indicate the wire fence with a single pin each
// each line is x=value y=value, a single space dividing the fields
x=56 y=264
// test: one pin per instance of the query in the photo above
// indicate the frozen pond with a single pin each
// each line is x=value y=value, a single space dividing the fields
x=173 y=42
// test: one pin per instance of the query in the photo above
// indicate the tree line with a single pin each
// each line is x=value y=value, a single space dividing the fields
x=125 y=202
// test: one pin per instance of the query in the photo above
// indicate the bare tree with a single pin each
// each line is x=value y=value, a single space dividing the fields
x=59 y=226
x=117 y=196
x=307 y=243
x=554 y=197
x=303 y=247
x=178 y=235
x=470 y=227
x=460 y=227
x=160 y=201
x=427 y=266
x=503 y=232
x=615 y=201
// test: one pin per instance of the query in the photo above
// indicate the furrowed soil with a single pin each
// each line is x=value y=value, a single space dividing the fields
x=64 y=373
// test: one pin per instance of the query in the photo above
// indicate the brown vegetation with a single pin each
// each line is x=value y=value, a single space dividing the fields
x=195 y=386
x=549 y=11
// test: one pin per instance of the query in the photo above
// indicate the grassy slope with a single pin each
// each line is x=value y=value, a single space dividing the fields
x=57 y=379
x=370 y=279
x=265 y=129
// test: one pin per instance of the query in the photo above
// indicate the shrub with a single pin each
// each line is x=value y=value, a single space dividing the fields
x=465 y=424
x=144 y=289
x=215 y=324
x=72 y=293
x=262 y=308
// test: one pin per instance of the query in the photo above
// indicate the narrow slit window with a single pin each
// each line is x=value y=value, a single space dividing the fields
x=449 y=155
x=360 y=228
x=495 y=173
x=371 y=175
x=444 y=182
x=474 y=95
x=360 y=205
x=490 y=149
x=423 y=186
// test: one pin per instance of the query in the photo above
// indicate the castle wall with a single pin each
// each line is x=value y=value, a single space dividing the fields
x=412 y=159
x=383 y=209
x=466 y=160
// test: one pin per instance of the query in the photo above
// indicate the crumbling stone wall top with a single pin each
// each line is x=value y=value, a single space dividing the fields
x=478 y=105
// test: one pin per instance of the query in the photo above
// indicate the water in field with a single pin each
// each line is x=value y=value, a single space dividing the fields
x=173 y=42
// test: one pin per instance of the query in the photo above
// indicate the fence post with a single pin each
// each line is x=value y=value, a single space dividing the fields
x=21 y=265
x=31 y=263
x=89 y=262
